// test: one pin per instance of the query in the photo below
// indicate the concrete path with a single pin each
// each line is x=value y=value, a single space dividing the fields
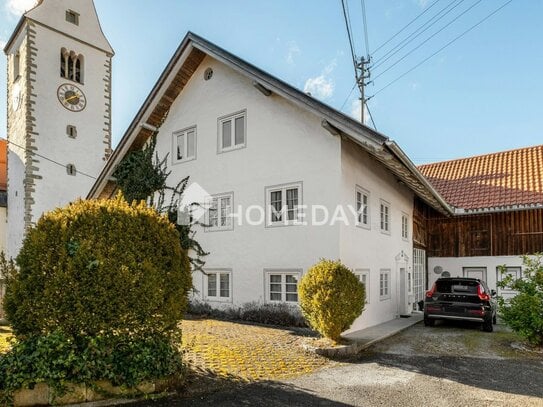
x=367 y=337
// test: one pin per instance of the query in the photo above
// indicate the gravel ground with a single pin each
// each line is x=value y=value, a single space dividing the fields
x=448 y=365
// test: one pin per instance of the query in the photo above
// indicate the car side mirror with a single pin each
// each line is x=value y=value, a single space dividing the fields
x=493 y=293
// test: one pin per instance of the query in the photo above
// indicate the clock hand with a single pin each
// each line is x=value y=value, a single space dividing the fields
x=72 y=97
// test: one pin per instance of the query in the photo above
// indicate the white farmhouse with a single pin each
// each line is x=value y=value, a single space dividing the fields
x=252 y=141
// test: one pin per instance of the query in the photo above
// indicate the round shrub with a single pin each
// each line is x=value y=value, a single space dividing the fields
x=99 y=268
x=331 y=298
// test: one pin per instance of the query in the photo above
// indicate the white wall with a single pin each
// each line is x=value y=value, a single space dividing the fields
x=3 y=230
x=369 y=248
x=284 y=144
x=456 y=265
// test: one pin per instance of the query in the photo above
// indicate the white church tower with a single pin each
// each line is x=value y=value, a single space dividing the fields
x=59 y=110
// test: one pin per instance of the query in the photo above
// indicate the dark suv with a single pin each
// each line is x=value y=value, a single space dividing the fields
x=458 y=298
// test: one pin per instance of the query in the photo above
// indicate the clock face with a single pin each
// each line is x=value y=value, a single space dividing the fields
x=71 y=97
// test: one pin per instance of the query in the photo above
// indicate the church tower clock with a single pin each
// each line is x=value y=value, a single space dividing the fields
x=59 y=110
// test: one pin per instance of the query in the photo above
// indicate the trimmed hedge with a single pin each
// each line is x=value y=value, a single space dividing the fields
x=331 y=298
x=99 y=268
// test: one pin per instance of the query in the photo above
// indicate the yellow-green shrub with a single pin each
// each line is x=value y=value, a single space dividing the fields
x=99 y=268
x=331 y=298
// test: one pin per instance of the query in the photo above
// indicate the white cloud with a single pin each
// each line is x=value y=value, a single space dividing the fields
x=18 y=7
x=322 y=86
x=2 y=43
x=422 y=3
x=292 y=51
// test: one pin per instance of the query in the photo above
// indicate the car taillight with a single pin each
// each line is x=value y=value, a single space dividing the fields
x=482 y=295
x=430 y=293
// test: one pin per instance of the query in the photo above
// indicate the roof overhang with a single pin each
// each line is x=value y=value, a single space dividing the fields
x=184 y=63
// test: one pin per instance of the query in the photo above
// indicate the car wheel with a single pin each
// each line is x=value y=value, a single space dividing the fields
x=487 y=325
x=429 y=322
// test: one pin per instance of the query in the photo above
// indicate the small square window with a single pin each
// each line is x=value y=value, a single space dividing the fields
x=72 y=17
x=282 y=286
x=362 y=200
x=71 y=131
x=385 y=217
x=384 y=284
x=71 y=170
x=219 y=212
x=284 y=205
x=184 y=145
x=232 y=132
x=218 y=286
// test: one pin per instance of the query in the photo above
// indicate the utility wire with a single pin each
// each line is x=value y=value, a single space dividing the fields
x=427 y=39
x=371 y=117
x=347 y=25
x=405 y=26
x=363 y=6
x=28 y=151
x=418 y=32
x=348 y=97
x=441 y=49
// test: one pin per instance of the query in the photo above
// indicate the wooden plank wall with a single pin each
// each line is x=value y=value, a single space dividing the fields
x=494 y=234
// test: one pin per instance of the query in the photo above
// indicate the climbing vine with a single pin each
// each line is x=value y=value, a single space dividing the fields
x=142 y=175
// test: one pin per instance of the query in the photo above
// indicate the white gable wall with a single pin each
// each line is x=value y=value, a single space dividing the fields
x=284 y=144
x=369 y=248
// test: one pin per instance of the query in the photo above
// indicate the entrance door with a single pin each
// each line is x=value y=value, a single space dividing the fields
x=475 y=272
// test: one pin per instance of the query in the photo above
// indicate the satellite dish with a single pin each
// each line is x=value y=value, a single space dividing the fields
x=438 y=269
x=445 y=274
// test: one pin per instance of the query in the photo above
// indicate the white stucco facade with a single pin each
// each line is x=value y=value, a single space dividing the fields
x=41 y=145
x=284 y=145
x=486 y=268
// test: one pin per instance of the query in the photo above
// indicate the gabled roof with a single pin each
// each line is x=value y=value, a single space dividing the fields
x=500 y=181
x=182 y=66
x=3 y=165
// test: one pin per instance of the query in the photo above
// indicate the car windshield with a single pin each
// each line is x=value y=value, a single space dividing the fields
x=460 y=287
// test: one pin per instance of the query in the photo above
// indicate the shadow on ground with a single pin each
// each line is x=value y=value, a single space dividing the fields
x=208 y=389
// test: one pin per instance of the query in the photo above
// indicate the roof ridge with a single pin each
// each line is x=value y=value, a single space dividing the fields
x=481 y=155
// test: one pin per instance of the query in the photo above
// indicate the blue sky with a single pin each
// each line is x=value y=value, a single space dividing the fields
x=481 y=94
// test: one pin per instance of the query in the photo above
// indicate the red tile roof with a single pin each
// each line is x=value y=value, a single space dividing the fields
x=3 y=164
x=499 y=180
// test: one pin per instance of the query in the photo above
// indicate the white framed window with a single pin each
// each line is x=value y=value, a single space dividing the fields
x=405 y=226
x=184 y=145
x=362 y=199
x=218 y=285
x=364 y=277
x=219 y=212
x=282 y=285
x=384 y=216
x=71 y=65
x=384 y=284
x=232 y=131
x=515 y=272
x=283 y=204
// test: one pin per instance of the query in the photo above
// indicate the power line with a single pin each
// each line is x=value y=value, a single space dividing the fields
x=33 y=153
x=417 y=33
x=363 y=7
x=371 y=117
x=441 y=49
x=347 y=25
x=348 y=97
x=407 y=25
x=427 y=39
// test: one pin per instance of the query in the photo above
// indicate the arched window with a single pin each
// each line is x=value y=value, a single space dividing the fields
x=71 y=65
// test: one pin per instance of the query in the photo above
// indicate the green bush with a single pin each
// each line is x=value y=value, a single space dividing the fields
x=57 y=359
x=524 y=312
x=99 y=268
x=331 y=298
x=267 y=314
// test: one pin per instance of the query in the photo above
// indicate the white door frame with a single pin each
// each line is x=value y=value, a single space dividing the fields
x=402 y=290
